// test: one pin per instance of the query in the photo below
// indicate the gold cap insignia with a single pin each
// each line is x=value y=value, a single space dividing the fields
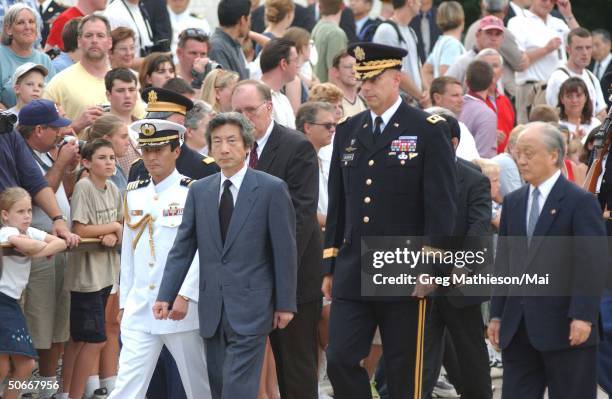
x=148 y=129
x=359 y=53
x=152 y=97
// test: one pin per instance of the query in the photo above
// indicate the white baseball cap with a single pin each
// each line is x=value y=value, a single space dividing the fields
x=27 y=67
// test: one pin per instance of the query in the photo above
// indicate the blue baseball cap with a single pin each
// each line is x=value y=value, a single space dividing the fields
x=41 y=112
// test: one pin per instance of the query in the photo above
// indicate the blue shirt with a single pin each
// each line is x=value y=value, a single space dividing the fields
x=17 y=165
x=9 y=61
x=61 y=62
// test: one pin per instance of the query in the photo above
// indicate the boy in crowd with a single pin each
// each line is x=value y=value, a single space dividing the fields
x=28 y=84
x=90 y=277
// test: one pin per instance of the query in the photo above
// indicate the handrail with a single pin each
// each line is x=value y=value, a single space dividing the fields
x=86 y=245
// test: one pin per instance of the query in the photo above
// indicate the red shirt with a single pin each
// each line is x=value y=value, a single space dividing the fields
x=55 y=35
x=505 y=117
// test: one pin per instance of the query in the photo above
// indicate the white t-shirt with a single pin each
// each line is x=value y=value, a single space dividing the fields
x=325 y=155
x=183 y=21
x=126 y=14
x=16 y=269
x=467 y=145
x=531 y=33
x=386 y=34
x=561 y=75
x=282 y=111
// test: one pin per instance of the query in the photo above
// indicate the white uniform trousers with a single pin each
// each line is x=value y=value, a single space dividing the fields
x=139 y=356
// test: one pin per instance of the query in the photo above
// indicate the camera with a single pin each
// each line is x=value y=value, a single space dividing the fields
x=7 y=121
x=160 y=46
x=70 y=139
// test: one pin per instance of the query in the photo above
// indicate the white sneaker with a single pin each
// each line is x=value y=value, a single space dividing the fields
x=444 y=389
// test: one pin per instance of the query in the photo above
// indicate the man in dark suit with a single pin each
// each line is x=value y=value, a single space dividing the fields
x=456 y=314
x=347 y=21
x=303 y=18
x=427 y=30
x=172 y=106
x=392 y=174
x=242 y=223
x=548 y=334
x=288 y=155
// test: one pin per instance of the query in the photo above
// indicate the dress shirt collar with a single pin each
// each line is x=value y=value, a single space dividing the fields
x=604 y=64
x=386 y=116
x=261 y=143
x=545 y=187
x=167 y=182
x=236 y=180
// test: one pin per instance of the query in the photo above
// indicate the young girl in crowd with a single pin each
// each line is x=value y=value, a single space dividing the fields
x=16 y=347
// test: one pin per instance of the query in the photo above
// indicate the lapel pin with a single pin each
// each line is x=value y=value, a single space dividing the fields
x=365 y=125
x=396 y=124
x=553 y=211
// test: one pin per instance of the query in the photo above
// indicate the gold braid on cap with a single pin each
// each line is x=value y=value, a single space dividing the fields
x=377 y=64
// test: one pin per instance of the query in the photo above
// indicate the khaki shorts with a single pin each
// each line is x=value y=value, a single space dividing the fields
x=45 y=304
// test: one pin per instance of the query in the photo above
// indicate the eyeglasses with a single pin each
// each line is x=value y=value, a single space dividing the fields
x=327 y=125
x=193 y=33
x=126 y=49
x=250 y=110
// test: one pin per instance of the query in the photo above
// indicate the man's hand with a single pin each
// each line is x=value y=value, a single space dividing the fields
x=565 y=8
x=281 y=319
x=179 y=308
x=422 y=290
x=553 y=44
x=109 y=240
x=68 y=155
x=493 y=333
x=326 y=286
x=579 y=332
x=60 y=229
x=87 y=118
x=424 y=100
x=199 y=64
x=160 y=310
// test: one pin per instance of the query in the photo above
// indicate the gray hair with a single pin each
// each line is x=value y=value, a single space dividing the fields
x=489 y=51
x=199 y=111
x=231 y=118
x=11 y=17
x=436 y=110
x=495 y=6
x=308 y=113
x=552 y=139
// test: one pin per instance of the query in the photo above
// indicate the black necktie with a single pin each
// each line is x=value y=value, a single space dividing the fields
x=377 y=123
x=226 y=207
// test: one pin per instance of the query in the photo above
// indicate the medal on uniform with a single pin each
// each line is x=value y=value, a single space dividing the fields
x=402 y=156
x=348 y=157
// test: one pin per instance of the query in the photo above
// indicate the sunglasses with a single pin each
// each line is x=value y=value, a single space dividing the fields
x=328 y=125
x=193 y=33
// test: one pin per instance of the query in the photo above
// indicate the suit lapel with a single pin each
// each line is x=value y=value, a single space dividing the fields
x=244 y=204
x=269 y=151
x=364 y=134
x=211 y=207
x=550 y=211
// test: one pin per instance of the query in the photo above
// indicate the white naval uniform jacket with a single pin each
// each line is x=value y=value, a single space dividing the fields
x=141 y=272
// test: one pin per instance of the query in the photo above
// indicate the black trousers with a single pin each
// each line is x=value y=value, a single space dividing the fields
x=568 y=374
x=351 y=329
x=296 y=353
x=466 y=332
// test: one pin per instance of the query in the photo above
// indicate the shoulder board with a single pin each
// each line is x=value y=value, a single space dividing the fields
x=208 y=160
x=186 y=181
x=136 y=160
x=433 y=119
x=137 y=184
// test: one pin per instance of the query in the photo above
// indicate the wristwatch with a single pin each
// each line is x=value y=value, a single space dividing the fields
x=59 y=217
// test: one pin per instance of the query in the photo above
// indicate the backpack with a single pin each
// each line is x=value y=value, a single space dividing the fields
x=367 y=33
x=539 y=89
